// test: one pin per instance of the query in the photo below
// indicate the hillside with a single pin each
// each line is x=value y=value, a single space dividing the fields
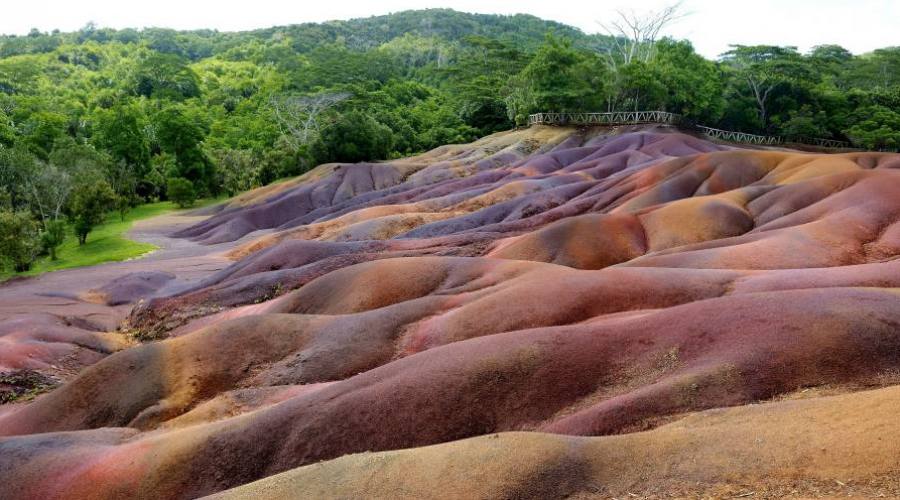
x=601 y=310
x=228 y=112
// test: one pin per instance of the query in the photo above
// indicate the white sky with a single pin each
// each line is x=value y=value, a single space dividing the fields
x=858 y=25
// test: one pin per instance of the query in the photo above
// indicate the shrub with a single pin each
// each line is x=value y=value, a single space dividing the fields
x=181 y=191
x=53 y=236
x=19 y=241
x=89 y=206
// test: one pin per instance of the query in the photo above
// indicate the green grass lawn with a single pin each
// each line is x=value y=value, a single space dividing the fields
x=105 y=243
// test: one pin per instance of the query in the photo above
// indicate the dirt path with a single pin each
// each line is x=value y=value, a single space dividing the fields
x=60 y=292
x=52 y=326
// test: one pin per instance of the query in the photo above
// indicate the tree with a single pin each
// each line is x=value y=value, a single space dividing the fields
x=282 y=160
x=42 y=129
x=558 y=78
x=90 y=203
x=121 y=131
x=19 y=242
x=475 y=81
x=153 y=185
x=354 y=137
x=877 y=128
x=438 y=124
x=181 y=191
x=122 y=179
x=53 y=236
x=832 y=62
x=49 y=189
x=17 y=165
x=765 y=68
x=876 y=69
x=180 y=134
x=634 y=35
x=239 y=169
x=165 y=76
x=299 y=116
x=81 y=161
x=693 y=86
x=480 y=104
x=804 y=123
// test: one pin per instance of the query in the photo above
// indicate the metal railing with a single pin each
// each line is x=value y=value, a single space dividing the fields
x=666 y=118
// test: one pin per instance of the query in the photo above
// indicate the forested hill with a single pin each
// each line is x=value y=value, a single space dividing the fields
x=523 y=30
x=199 y=104
x=138 y=112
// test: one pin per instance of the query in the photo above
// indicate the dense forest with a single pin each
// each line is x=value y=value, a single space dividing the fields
x=104 y=119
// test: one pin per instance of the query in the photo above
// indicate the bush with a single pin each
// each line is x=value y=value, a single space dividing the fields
x=90 y=202
x=19 y=241
x=878 y=128
x=53 y=236
x=181 y=191
x=238 y=170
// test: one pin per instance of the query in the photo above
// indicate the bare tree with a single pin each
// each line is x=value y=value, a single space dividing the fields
x=49 y=190
x=298 y=116
x=634 y=35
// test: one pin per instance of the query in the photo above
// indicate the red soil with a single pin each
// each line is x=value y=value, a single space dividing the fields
x=553 y=280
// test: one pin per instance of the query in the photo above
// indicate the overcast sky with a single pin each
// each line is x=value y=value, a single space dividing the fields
x=858 y=25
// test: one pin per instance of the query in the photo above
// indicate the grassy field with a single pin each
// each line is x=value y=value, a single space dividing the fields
x=106 y=243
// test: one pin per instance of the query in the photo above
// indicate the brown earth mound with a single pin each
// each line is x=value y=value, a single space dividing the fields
x=815 y=448
x=568 y=282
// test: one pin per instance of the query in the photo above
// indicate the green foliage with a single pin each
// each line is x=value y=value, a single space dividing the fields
x=53 y=236
x=769 y=76
x=878 y=128
x=180 y=134
x=42 y=129
x=692 y=86
x=90 y=202
x=355 y=136
x=19 y=240
x=239 y=170
x=108 y=243
x=804 y=123
x=7 y=130
x=17 y=166
x=181 y=191
x=165 y=76
x=132 y=108
x=121 y=131
x=558 y=78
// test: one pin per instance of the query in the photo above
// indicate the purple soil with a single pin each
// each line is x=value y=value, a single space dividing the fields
x=576 y=282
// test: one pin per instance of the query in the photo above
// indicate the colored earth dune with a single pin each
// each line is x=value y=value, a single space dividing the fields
x=548 y=312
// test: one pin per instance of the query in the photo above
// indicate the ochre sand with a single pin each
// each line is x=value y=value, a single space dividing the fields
x=542 y=313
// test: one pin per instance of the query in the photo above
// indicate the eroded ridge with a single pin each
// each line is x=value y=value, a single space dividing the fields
x=626 y=296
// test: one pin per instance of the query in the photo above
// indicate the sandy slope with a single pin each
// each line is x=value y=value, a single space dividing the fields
x=566 y=282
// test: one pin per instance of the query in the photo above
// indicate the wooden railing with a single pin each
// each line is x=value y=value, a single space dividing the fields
x=825 y=143
x=615 y=118
x=666 y=118
x=742 y=137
